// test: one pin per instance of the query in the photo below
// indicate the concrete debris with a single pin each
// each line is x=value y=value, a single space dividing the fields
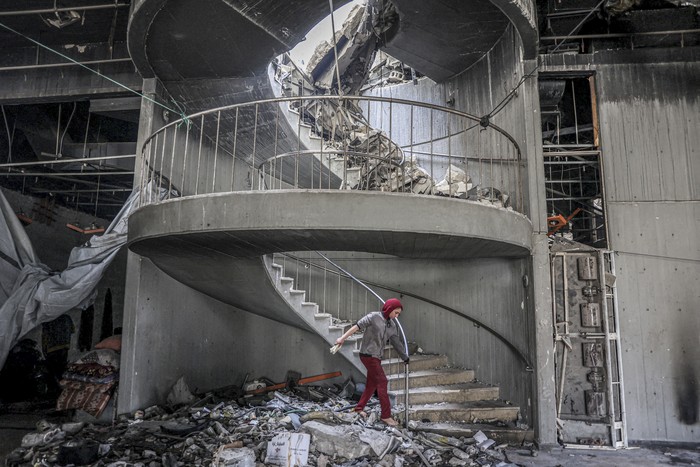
x=456 y=183
x=180 y=393
x=291 y=427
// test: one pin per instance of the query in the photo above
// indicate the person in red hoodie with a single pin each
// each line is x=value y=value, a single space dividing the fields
x=378 y=328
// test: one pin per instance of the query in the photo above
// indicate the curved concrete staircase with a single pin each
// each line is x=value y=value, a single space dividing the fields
x=438 y=393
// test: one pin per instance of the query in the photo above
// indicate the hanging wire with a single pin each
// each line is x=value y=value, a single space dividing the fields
x=180 y=111
x=485 y=120
x=70 y=119
x=335 y=49
x=10 y=136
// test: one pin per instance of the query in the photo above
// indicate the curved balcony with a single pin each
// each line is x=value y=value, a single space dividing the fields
x=332 y=142
x=226 y=186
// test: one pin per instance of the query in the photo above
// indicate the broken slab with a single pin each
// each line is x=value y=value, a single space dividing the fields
x=346 y=441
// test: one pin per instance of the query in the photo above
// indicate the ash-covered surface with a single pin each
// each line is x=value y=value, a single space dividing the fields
x=216 y=431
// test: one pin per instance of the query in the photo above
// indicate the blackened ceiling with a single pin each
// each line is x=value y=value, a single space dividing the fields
x=64 y=113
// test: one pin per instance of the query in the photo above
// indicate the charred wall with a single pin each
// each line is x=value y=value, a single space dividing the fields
x=649 y=109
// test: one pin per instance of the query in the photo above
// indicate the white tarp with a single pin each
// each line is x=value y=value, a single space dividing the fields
x=31 y=294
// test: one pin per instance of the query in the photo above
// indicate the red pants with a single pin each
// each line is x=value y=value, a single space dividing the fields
x=376 y=380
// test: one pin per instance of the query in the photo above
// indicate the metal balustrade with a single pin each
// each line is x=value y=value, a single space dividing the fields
x=335 y=143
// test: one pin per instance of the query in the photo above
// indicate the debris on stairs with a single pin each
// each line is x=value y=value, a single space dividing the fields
x=281 y=428
x=442 y=399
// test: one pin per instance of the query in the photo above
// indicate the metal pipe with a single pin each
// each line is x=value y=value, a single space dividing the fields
x=65 y=174
x=62 y=64
x=620 y=35
x=405 y=343
x=81 y=191
x=57 y=10
x=65 y=161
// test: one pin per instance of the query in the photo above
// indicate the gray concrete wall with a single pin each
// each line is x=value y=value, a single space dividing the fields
x=649 y=107
x=488 y=289
x=175 y=331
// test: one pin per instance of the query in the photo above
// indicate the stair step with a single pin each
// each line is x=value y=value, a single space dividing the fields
x=462 y=392
x=418 y=362
x=467 y=412
x=342 y=325
x=417 y=379
x=390 y=352
x=277 y=266
x=313 y=306
x=286 y=284
x=506 y=434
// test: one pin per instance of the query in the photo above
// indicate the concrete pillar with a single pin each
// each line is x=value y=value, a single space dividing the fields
x=147 y=125
x=545 y=393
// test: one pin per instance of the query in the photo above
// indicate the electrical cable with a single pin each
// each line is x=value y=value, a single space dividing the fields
x=60 y=144
x=501 y=105
x=9 y=135
x=335 y=49
x=111 y=80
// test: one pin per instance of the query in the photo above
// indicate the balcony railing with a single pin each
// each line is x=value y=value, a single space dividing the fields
x=335 y=143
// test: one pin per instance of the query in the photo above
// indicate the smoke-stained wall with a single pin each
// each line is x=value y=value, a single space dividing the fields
x=649 y=109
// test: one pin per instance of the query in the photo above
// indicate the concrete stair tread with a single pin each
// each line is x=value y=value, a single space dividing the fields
x=501 y=434
x=496 y=404
x=445 y=389
x=422 y=373
x=286 y=279
x=465 y=412
x=414 y=358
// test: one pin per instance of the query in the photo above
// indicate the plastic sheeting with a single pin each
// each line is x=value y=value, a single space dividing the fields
x=31 y=294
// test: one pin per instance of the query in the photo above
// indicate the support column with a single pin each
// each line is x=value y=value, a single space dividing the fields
x=545 y=388
x=150 y=119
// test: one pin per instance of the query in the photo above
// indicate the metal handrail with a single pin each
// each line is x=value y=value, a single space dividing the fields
x=398 y=323
x=477 y=323
x=271 y=163
x=389 y=100
x=201 y=153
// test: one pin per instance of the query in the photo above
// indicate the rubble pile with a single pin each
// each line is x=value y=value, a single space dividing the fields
x=314 y=426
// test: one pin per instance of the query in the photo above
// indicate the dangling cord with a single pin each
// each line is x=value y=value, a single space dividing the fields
x=60 y=145
x=10 y=136
x=486 y=119
x=335 y=50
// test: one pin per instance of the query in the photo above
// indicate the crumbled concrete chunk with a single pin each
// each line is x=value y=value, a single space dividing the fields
x=340 y=441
